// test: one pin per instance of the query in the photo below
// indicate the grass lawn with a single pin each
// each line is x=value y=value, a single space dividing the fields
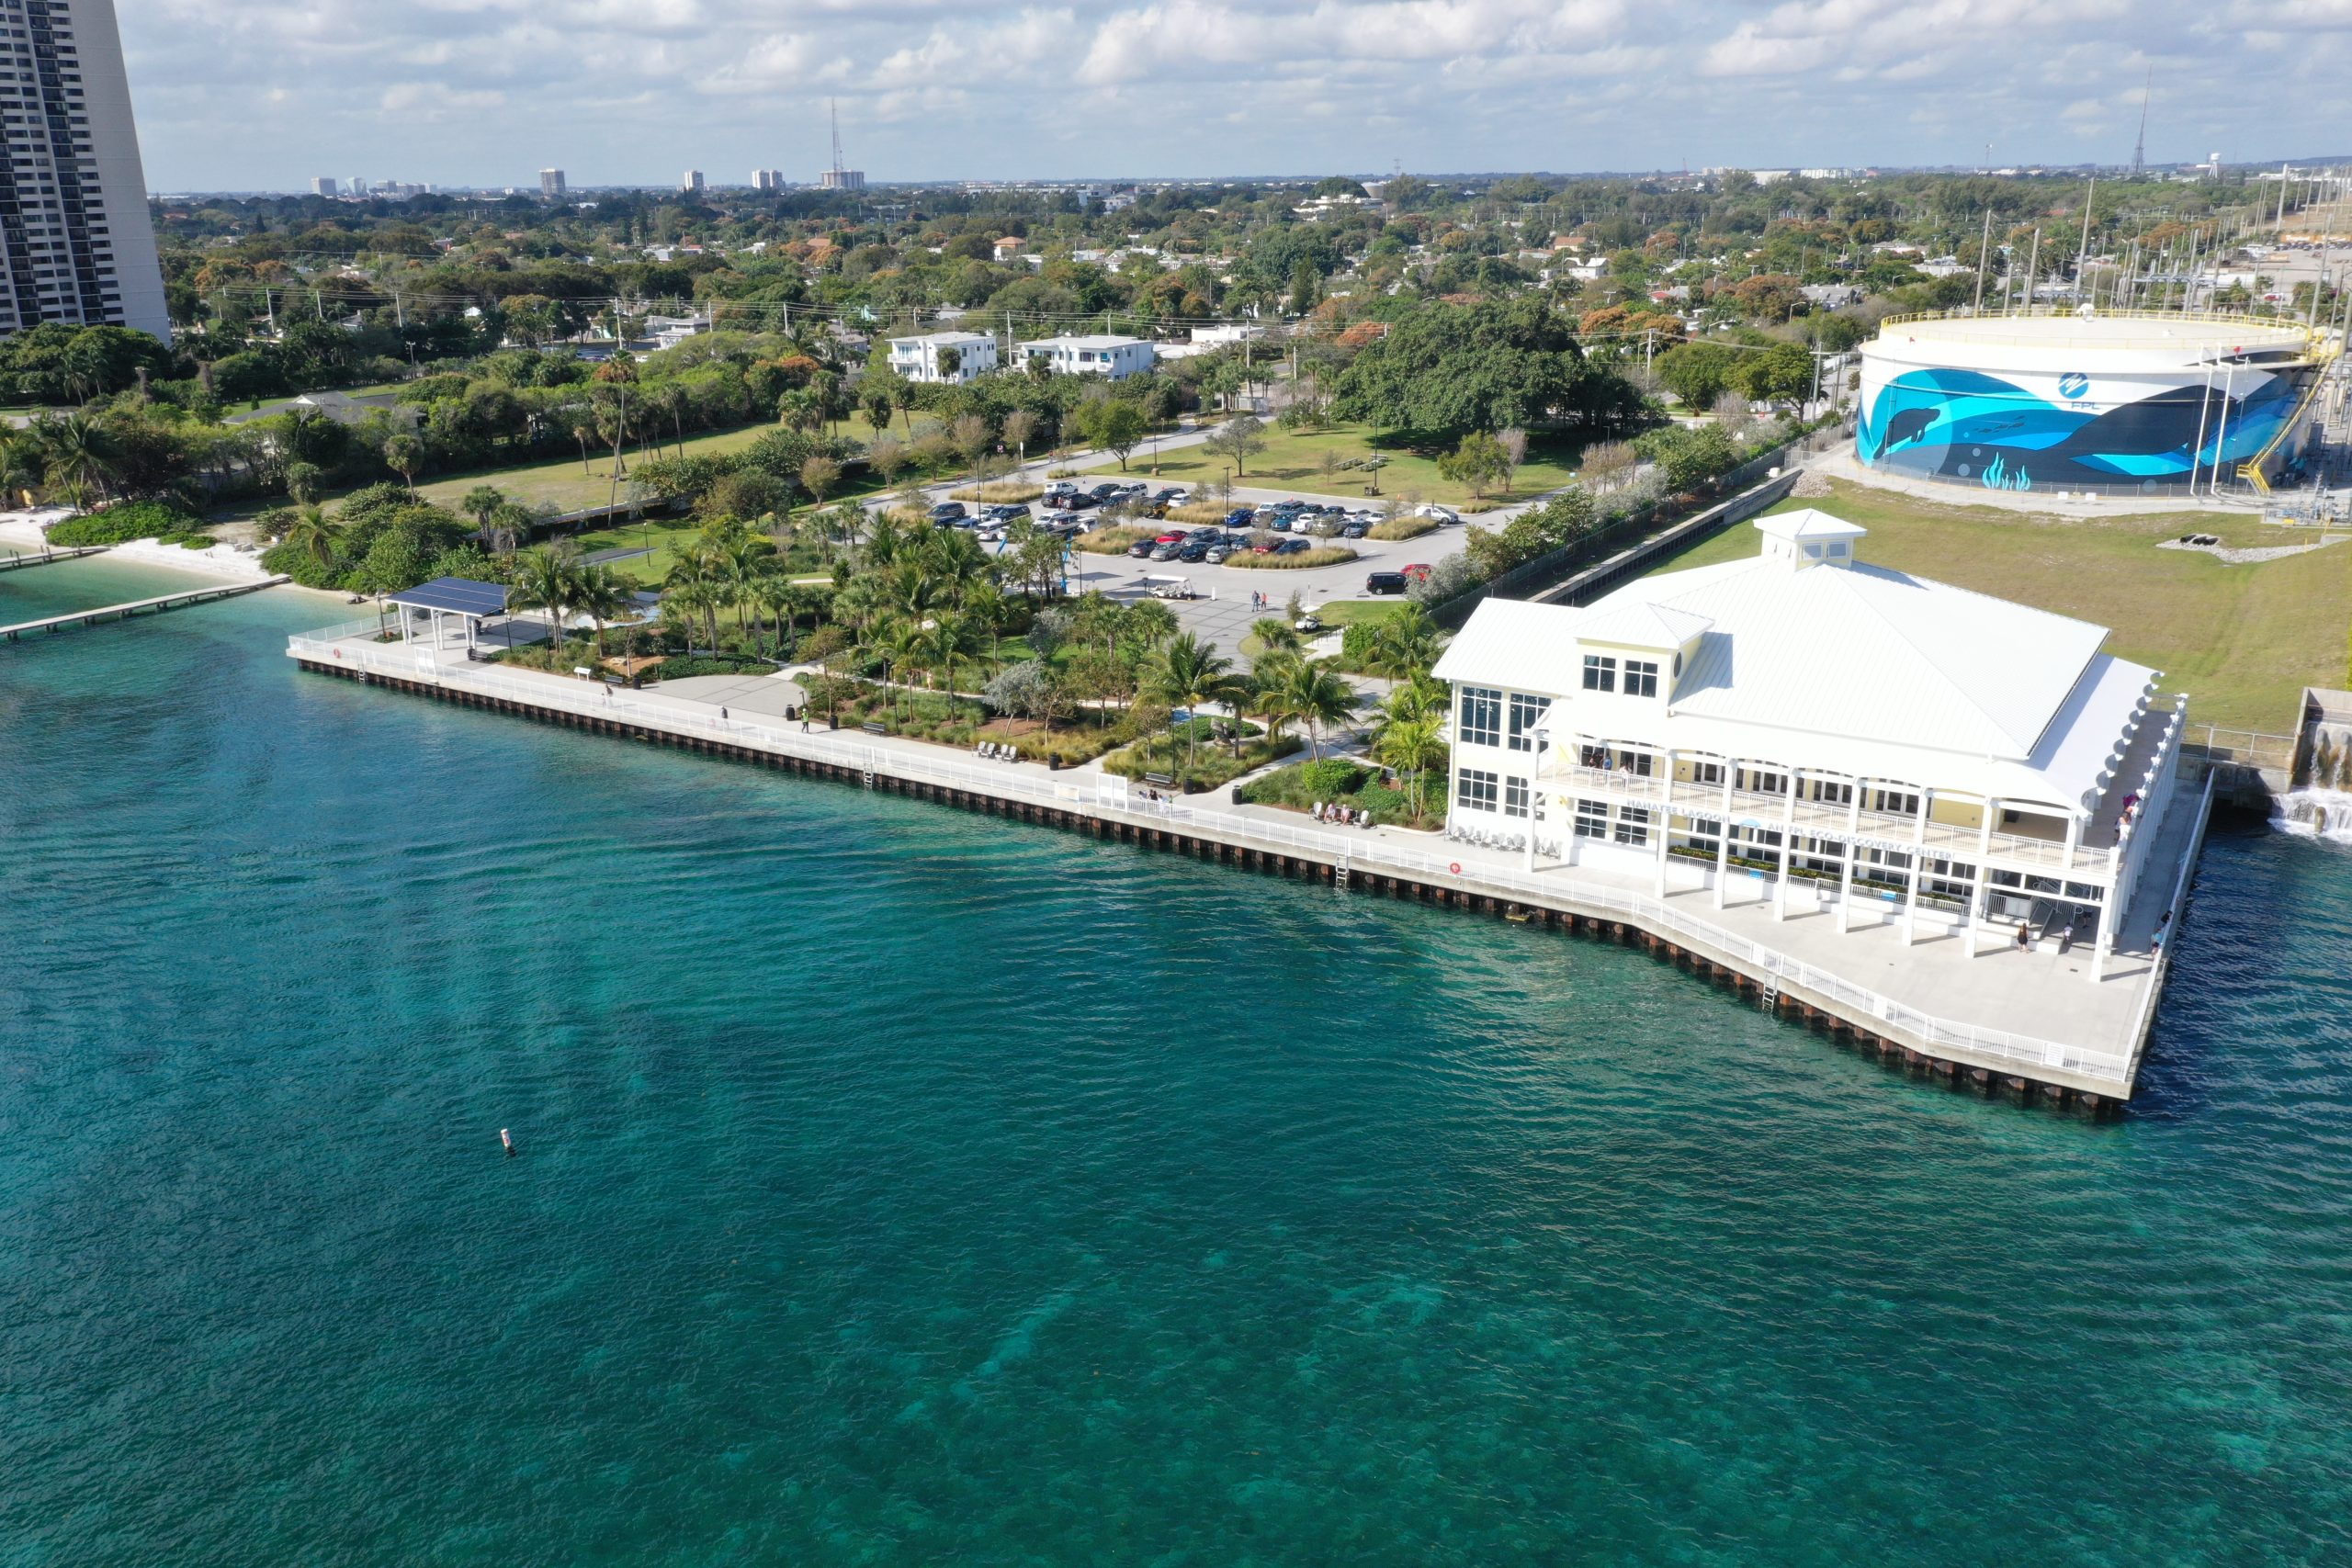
x=1295 y=461
x=2242 y=640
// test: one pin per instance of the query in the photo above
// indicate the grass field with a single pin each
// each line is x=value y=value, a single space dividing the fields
x=2242 y=640
x=1295 y=461
x=565 y=485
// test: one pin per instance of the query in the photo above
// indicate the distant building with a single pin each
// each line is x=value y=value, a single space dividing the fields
x=77 y=244
x=1115 y=358
x=1229 y=332
x=324 y=186
x=844 y=179
x=1009 y=247
x=691 y=183
x=767 y=179
x=917 y=358
x=551 y=185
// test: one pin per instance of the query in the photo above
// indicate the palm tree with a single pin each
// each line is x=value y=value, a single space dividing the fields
x=939 y=643
x=1320 y=698
x=598 y=594
x=744 y=564
x=312 y=535
x=546 y=582
x=77 y=453
x=1407 y=644
x=1276 y=635
x=781 y=599
x=1188 y=673
x=1414 y=746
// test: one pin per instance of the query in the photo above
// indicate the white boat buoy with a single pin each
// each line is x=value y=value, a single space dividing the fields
x=507 y=1139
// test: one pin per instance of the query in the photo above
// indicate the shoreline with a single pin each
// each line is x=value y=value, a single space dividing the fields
x=1934 y=1017
x=221 y=563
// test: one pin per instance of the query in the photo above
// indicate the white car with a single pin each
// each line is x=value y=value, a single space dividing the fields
x=1443 y=514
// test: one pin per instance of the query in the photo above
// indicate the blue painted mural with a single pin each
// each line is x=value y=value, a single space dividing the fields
x=1967 y=425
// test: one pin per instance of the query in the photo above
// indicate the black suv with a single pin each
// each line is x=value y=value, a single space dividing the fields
x=1384 y=583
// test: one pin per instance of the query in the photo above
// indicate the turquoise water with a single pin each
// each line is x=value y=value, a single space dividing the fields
x=902 y=1186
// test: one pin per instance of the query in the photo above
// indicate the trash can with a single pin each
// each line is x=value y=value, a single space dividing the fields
x=1237 y=795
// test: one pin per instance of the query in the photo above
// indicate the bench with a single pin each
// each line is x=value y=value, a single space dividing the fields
x=873 y=728
x=1161 y=781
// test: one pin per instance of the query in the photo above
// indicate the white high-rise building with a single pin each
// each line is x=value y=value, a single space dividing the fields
x=692 y=183
x=324 y=185
x=73 y=222
x=551 y=186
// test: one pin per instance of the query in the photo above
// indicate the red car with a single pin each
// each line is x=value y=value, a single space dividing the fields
x=1418 y=572
x=1173 y=536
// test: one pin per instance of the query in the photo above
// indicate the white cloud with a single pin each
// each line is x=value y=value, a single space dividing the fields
x=255 y=94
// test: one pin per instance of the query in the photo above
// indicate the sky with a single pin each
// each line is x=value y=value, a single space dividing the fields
x=263 y=95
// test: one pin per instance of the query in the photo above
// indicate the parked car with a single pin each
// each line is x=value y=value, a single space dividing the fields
x=1107 y=492
x=1216 y=554
x=1354 y=529
x=1386 y=582
x=948 y=512
x=1194 y=550
x=1173 y=496
x=1268 y=547
x=1141 y=550
x=1279 y=522
x=1078 y=502
x=1180 y=589
x=1419 y=571
x=1294 y=545
x=1206 y=534
x=1444 y=514
x=1172 y=537
x=1167 y=551
x=1061 y=487
x=1240 y=517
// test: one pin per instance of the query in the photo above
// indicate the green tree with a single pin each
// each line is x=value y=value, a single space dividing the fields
x=545 y=581
x=1319 y=699
x=1115 y=425
x=1236 y=439
x=1189 y=672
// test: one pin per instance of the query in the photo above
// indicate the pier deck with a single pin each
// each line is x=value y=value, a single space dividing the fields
x=17 y=560
x=155 y=605
x=2030 y=1019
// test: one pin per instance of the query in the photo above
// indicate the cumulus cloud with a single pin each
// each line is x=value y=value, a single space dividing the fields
x=254 y=95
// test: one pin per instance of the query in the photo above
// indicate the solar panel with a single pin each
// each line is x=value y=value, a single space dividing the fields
x=456 y=595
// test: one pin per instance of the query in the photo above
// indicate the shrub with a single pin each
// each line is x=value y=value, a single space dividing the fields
x=684 y=666
x=1407 y=528
x=131 y=519
x=1474 y=505
x=1113 y=541
x=1006 y=490
x=1199 y=512
x=192 y=541
x=1331 y=776
x=1327 y=555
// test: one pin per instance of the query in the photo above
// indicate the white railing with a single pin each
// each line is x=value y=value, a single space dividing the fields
x=1358 y=852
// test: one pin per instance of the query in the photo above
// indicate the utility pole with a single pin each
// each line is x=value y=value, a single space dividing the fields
x=2083 y=256
x=2032 y=272
x=1984 y=251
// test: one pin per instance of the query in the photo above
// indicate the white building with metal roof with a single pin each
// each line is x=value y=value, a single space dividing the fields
x=1830 y=735
x=918 y=358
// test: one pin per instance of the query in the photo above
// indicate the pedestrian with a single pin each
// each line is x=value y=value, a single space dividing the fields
x=2066 y=940
x=2024 y=941
x=804 y=724
x=722 y=713
x=2164 y=920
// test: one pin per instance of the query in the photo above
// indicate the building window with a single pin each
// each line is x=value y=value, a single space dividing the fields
x=1632 y=826
x=1514 y=797
x=1482 y=717
x=1600 y=674
x=1896 y=802
x=1524 y=713
x=1707 y=772
x=1641 y=678
x=1476 y=788
x=1592 y=819
x=1829 y=793
x=1763 y=783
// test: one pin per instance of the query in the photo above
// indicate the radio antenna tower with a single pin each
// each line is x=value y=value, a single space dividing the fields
x=833 y=108
x=2139 y=147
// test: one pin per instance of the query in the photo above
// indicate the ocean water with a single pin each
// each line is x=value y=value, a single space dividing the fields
x=902 y=1186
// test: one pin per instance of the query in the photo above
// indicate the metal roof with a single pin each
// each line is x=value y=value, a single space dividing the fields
x=457 y=595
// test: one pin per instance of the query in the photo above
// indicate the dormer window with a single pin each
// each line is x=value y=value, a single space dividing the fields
x=1641 y=678
x=1599 y=672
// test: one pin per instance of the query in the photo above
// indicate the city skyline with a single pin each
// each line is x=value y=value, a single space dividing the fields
x=1456 y=86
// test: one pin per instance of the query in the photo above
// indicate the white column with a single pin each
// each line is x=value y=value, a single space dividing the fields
x=1918 y=866
x=1846 y=867
x=1723 y=842
x=1788 y=843
x=1527 y=861
x=1983 y=874
x=1666 y=822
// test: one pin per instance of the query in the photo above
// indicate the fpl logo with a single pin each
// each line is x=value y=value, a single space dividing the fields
x=2073 y=385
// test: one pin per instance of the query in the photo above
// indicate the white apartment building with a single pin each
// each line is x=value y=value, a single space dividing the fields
x=917 y=358
x=1108 y=356
x=73 y=221
x=1804 y=728
x=551 y=185
x=324 y=185
x=691 y=183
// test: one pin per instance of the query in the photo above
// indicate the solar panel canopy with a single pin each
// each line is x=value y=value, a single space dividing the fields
x=456 y=595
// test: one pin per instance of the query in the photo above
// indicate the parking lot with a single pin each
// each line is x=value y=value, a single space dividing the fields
x=1222 y=609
